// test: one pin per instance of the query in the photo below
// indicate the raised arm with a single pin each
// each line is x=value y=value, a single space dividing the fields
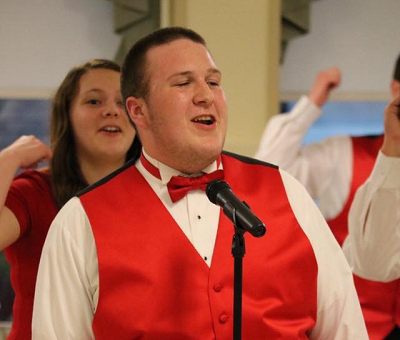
x=25 y=152
x=281 y=142
x=373 y=245
x=325 y=81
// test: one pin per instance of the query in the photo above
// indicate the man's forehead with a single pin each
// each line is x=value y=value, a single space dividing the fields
x=209 y=71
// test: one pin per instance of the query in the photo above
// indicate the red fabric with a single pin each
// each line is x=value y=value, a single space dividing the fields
x=179 y=186
x=365 y=151
x=154 y=284
x=31 y=201
x=379 y=301
x=150 y=167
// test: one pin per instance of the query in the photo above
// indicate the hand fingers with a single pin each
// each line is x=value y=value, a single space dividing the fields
x=334 y=76
x=36 y=164
x=48 y=155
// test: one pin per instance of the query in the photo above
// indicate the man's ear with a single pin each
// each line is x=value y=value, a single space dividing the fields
x=137 y=110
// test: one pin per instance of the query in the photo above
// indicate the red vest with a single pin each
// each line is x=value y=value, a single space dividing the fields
x=155 y=285
x=379 y=301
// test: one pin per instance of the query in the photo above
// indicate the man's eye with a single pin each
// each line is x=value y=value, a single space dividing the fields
x=213 y=83
x=184 y=83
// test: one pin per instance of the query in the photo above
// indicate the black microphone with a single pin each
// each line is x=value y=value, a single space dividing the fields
x=220 y=193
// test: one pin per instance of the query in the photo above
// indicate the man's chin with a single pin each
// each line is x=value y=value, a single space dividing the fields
x=199 y=159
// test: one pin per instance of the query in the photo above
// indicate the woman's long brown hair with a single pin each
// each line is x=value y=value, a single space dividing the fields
x=65 y=173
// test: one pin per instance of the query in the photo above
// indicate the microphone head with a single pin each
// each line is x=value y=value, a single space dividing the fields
x=214 y=187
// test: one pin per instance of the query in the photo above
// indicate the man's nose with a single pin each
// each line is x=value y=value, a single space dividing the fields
x=203 y=94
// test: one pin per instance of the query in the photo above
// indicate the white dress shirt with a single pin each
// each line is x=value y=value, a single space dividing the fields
x=373 y=244
x=68 y=280
x=324 y=168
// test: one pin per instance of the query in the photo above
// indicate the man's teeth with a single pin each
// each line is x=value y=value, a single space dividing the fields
x=204 y=119
x=111 y=129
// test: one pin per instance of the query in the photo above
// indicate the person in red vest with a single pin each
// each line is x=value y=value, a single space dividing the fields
x=373 y=244
x=90 y=137
x=145 y=254
x=332 y=171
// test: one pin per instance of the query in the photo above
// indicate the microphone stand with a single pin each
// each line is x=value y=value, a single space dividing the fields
x=238 y=251
x=220 y=193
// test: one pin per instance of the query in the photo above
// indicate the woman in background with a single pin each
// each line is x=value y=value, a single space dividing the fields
x=90 y=137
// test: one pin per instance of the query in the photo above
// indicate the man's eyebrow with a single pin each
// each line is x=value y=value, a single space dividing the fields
x=214 y=70
x=185 y=73
x=189 y=73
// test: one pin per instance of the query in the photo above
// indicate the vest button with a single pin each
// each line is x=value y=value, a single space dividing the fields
x=223 y=318
x=218 y=288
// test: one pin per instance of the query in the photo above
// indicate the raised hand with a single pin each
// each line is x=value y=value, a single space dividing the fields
x=325 y=81
x=27 y=152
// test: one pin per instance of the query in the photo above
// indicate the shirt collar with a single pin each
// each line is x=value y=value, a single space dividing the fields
x=167 y=172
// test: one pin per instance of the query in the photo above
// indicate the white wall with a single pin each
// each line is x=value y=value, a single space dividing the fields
x=362 y=37
x=40 y=40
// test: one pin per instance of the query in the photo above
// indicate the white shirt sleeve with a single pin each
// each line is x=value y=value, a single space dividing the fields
x=339 y=314
x=314 y=165
x=373 y=245
x=293 y=126
x=67 y=283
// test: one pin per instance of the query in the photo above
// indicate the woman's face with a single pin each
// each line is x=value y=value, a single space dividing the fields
x=101 y=128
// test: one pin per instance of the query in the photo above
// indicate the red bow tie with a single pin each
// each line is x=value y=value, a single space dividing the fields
x=178 y=186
